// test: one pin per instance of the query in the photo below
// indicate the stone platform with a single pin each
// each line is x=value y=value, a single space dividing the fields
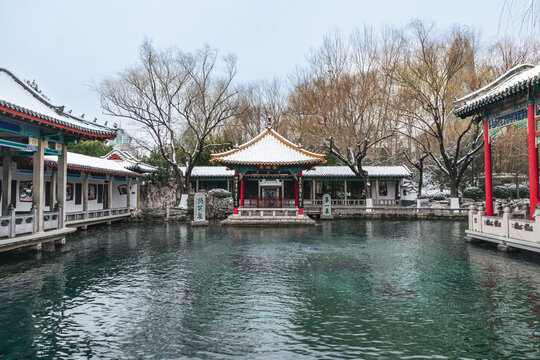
x=246 y=220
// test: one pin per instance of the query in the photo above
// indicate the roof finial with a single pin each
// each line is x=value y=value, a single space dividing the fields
x=269 y=123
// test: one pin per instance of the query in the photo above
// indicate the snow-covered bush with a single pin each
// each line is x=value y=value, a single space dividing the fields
x=523 y=191
x=501 y=192
x=436 y=195
x=220 y=193
x=474 y=193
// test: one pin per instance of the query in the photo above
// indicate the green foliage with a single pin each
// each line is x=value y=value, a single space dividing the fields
x=501 y=192
x=474 y=193
x=90 y=147
x=162 y=176
x=332 y=160
x=228 y=140
x=523 y=191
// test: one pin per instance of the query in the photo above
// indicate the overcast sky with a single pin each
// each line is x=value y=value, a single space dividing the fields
x=68 y=45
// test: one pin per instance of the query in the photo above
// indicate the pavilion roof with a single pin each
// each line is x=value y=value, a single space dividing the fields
x=128 y=161
x=17 y=98
x=89 y=163
x=346 y=172
x=319 y=172
x=268 y=148
x=515 y=81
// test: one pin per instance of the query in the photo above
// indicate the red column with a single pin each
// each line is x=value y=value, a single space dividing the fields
x=300 y=192
x=242 y=191
x=296 y=193
x=534 y=197
x=487 y=170
x=235 y=193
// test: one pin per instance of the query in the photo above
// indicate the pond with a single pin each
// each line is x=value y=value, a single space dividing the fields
x=347 y=289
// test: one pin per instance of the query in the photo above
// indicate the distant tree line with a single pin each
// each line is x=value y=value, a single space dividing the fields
x=365 y=98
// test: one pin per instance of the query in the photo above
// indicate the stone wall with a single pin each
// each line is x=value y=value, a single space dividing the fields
x=218 y=207
x=156 y=198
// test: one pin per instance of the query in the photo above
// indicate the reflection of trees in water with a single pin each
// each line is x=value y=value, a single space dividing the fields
x=511 y=284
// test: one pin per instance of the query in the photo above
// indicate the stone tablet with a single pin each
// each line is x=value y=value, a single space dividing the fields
x=199 y=209
x=326 y=207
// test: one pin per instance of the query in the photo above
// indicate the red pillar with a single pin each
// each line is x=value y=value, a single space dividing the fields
x=242 y=191
x=534 y=196
x=487 y=169
x=300 y=192
x=296 y=193
x=235 y=193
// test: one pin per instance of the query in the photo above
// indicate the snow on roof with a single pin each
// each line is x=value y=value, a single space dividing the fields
x=210 y=172
x=513 y=81
x=18 y=96
x=268 y=148
x=345 y=171
x=318 y=172
x=84 y=162
x=125 y=159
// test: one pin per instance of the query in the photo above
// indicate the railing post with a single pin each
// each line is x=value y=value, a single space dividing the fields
x=537 y=223
x=34 y=214
x=480 y=215
x=472 y=211
x=506 y=220
x=12 y=221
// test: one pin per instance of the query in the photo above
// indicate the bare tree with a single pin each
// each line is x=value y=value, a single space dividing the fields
x=179 y=98
x=262 y=100
x=526 y=13
x=508 y=52
x=343 y=100
x=436 y=69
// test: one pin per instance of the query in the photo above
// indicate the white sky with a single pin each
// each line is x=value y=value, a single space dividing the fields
x=68 y=45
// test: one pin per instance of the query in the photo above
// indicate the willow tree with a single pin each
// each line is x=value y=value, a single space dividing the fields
x=342 y=100
x=179 y=98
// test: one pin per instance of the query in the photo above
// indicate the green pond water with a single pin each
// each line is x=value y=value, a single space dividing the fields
x=357 y=289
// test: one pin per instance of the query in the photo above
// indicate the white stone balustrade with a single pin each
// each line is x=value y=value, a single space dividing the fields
x=505 y=226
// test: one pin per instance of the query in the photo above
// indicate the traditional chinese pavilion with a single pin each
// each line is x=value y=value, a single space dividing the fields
x=267 y=162
x=512 y=99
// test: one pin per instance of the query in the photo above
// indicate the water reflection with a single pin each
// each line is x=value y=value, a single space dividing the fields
x=346 y=289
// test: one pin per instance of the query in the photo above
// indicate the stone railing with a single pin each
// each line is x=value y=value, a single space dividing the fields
x=337 y=202
x=51 y=220
x=386 y=202
x=268 y=212
x=95 y=214
x=25 y=223
x=505 y=226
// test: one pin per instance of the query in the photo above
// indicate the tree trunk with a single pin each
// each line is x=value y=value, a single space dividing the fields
x=179 y=182
x=420 y=181
x=454 y=188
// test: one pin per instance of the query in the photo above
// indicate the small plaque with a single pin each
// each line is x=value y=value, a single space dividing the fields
x=33 y=141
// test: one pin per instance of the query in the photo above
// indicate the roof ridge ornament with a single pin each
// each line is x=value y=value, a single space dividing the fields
x=269 y=123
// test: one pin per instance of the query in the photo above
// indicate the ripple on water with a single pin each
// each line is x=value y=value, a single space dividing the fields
x=347 y=289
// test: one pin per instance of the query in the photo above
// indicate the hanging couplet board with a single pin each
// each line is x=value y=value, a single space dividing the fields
x=236 y=199
x=300 y=192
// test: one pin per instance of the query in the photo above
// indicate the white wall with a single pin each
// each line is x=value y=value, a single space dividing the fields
x=70 y=204
x=93 y=204
x=390 y=186
x=117 y=200
x=21 y=205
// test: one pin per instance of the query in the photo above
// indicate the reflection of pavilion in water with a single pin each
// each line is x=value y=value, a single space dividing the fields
x=498 y=270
